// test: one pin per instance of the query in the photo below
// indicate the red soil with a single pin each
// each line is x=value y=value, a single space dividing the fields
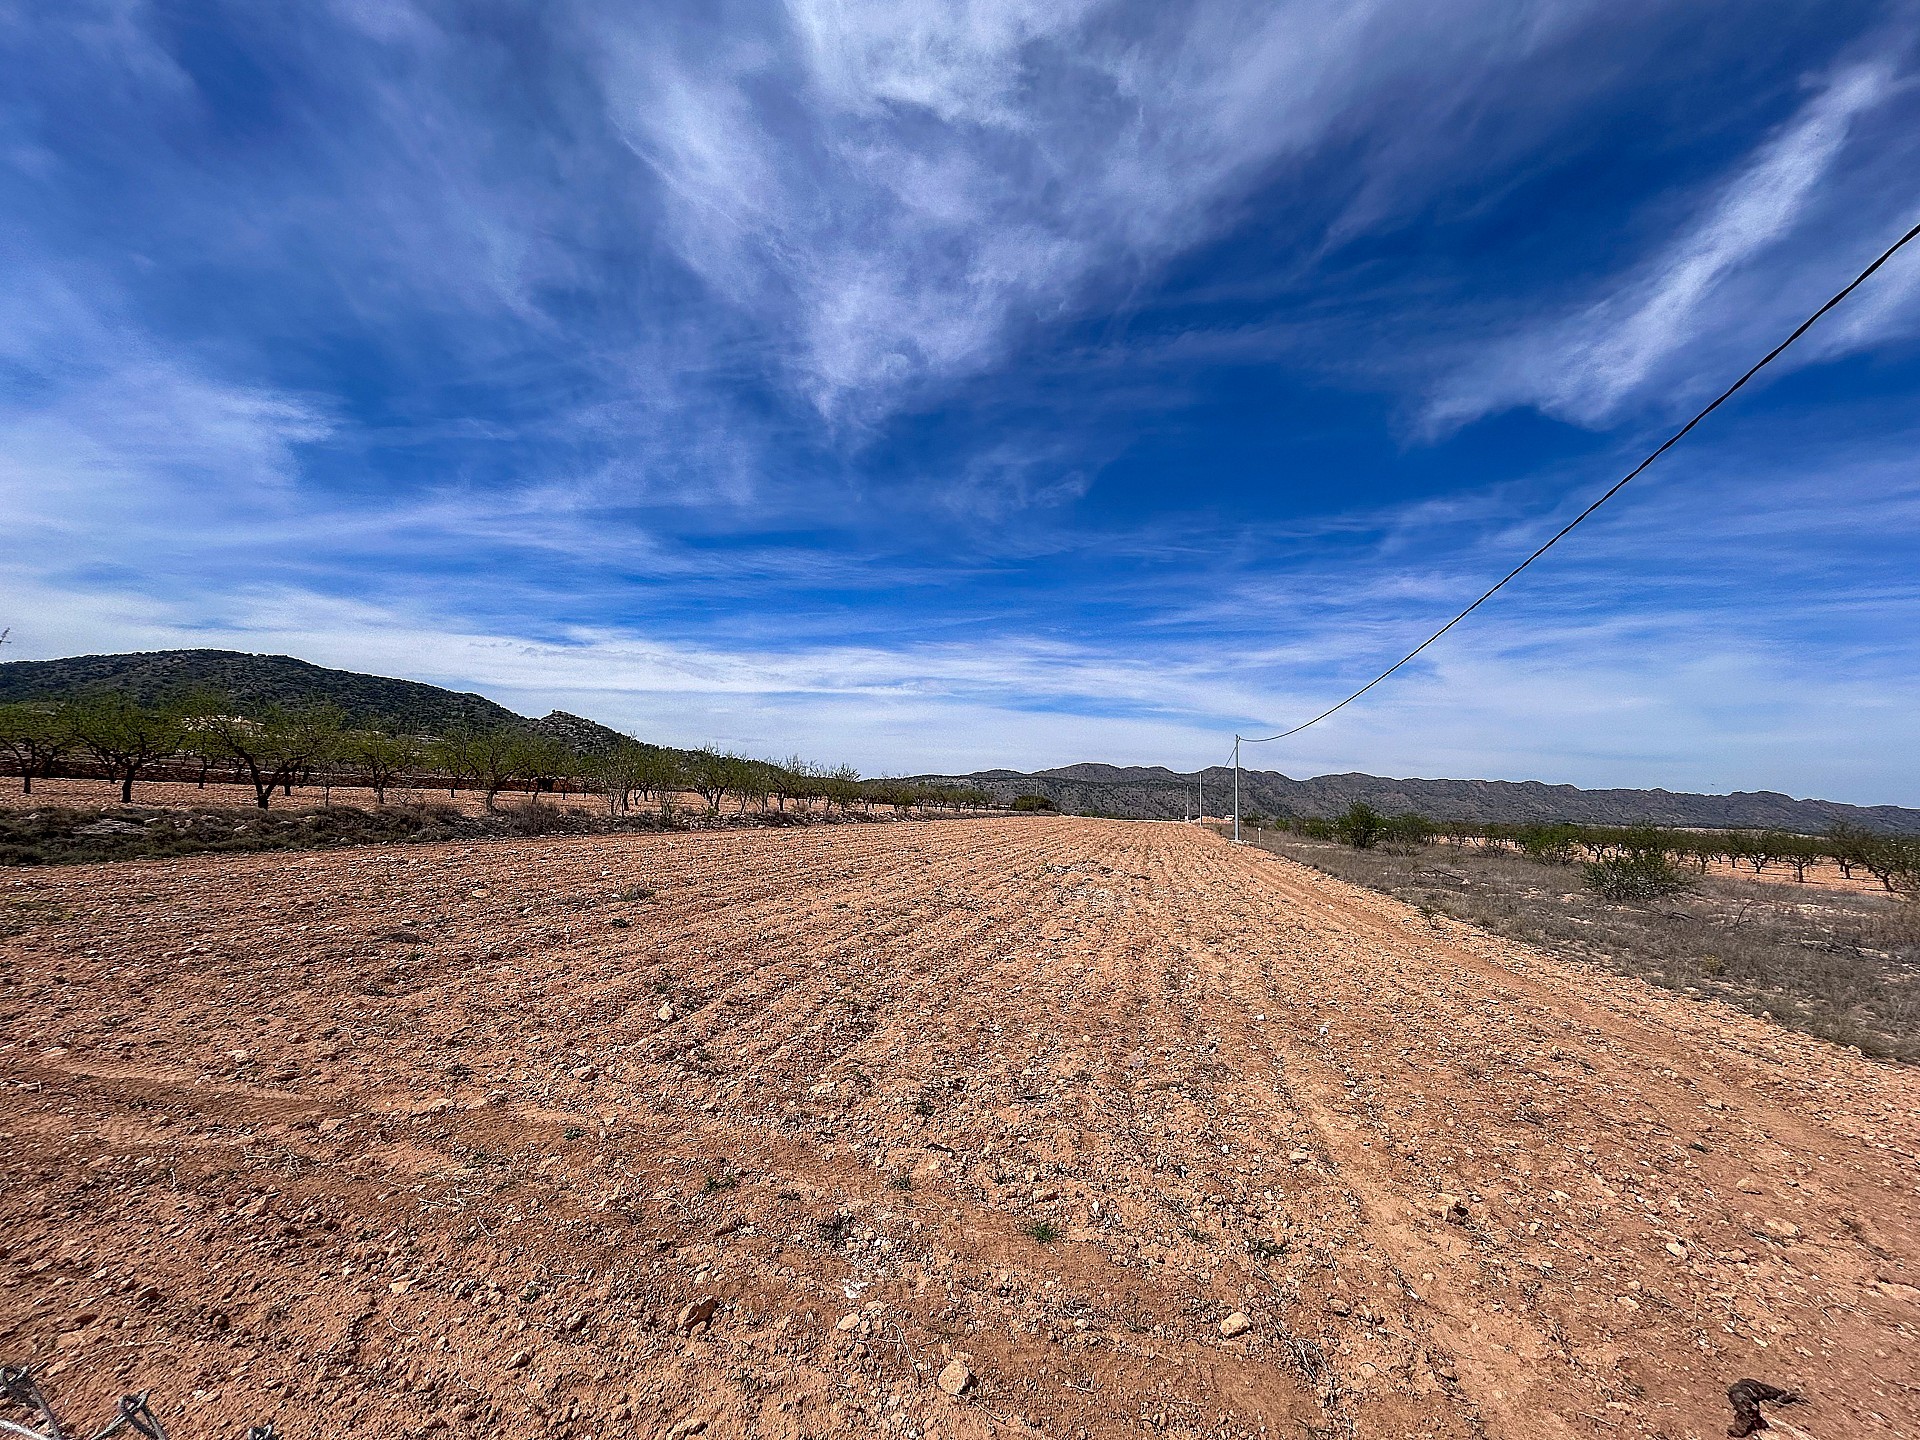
x=384 y=1142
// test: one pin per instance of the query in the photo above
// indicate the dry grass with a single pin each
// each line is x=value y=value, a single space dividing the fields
x=1842 y=965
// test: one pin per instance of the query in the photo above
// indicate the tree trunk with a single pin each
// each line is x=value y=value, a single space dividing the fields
x=126 y=787
x=26 y=782
x=262 y=788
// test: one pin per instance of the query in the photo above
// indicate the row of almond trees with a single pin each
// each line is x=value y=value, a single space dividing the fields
x=1893 y=860
x=276 y=750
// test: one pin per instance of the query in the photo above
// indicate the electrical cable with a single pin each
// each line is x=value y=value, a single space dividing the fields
x=1618 y=486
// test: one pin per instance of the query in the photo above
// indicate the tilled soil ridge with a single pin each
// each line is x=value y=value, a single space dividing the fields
x=1037 y=1126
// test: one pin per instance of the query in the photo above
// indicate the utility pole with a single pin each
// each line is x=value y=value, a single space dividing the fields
x=1236 y=789
x=1203 y=794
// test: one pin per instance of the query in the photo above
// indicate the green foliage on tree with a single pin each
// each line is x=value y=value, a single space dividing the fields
x=710 y=775
x=377 y=758
x=278 y=750
x=1407 y=833
x=1894 y=860
x=1549 y=844
x=33 y=738
x=633 y=768
x=125 y=738
x=494 y=759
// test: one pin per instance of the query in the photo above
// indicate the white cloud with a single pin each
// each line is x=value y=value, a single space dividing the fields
x=118 y=433
x=932 y=179
x=1646 y=657
x=1728 y=280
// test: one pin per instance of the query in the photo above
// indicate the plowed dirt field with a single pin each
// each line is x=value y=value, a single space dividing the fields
x=757 y=1133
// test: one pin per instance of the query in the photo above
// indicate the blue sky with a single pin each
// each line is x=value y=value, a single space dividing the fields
x=940 y=386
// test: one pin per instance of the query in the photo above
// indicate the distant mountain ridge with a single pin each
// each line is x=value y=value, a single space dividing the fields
x=257 y=682
x=1153 y=792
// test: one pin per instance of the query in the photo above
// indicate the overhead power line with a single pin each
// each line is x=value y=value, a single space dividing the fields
x=1567 y=529
x=1617 y=487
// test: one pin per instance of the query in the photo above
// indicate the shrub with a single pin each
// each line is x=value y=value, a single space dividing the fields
x=1405 y=834
x=533 y=818
x=1027 y=804
x=1549 y=844
x=1360 y=826
x=1635 y=876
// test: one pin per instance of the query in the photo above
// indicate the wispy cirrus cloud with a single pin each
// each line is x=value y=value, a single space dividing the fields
x=911 y=188
x=1728 y=279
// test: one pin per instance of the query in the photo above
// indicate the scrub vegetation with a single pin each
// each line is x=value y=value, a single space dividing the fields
x=1730 y=915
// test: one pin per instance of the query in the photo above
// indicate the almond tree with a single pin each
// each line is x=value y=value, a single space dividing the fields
x=492 y=758
x=450 y=756
x=34 y=736
x=710 y=774
x=277 y=749
x=749 y=779
x=1800 y=851
x=200 y=746
x=842 y=786
x=546 y=762
x=795 y=781
x=1847 y=844
x=379 y=757
x=125 y=738
x=661 y=774
x=612 y=774
x=1771 y=847
x=1894 y=860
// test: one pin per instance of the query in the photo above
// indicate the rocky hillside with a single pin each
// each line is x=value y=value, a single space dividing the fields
x=1153 y=792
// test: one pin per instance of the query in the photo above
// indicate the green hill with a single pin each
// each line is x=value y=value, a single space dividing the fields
x=257 y=682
